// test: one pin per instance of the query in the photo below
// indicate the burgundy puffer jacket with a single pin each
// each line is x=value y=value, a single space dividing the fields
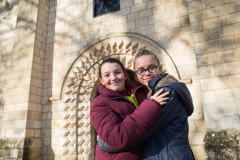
x=119 y=123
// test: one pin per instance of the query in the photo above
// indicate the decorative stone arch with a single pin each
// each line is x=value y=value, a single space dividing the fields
x=79 y=86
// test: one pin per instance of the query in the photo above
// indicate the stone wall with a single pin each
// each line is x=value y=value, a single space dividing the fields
x=8 y=19
x=22 y=103
x=49 y=54
x=215 y=31
x=72 y=27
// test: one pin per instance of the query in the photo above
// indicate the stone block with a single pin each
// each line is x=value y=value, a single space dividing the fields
x=37 y=133
x=226 y=43
x=190 y=59
x=206 y=59
x=233 y=18
x=229 y=8
x=178 y=60
x=176 y=42
x=37 y=124
x=197 y=114
x=214 y=22
x=98 y=26
x=230 y=122
x=186 y=49
x=146 y=30
x=187 y=71
x=220 y=109
x=56 y=115
x=194 y=6
x=196 y=138
x=125 y=4
x=160 y=27
x=211 y=123
x=211 y=46
x=138 y=7
x=225 y=56
x=181 y=12
x=47 y=141
x=173 y=51
x=199 y=48
x=227 y=95
x=129 y=25
x=200 y=125
x=154 y=3
x=166 y=16
x=212 y=3
x=183 y=31
x=214 y=83
x=133 y=16
x=231 y=29
x=29 y=133
x=158 y=9
x=191 y=126
x=227 y=68
x=141 y=22
x=175 y=23
x=166 y=35
x=138 y=1
x=122 y=19
x=201 y=36
x=206 y=72
x=118 y=28
x=36 y=115
x=196 y=26
x=165 y=43
x=171 y=6
x=199 y=16
x=215 y=33
x=208 y=97
x=213 y=12
x=234 y=80
x=145 y=13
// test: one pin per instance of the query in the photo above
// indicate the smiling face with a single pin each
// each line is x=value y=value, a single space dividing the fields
x=113 y=77
x=145 y=62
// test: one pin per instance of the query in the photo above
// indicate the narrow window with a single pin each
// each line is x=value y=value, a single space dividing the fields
x=105 y=6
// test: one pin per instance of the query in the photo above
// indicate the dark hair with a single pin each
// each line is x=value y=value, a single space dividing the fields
x=110 y=60
x=144 y=53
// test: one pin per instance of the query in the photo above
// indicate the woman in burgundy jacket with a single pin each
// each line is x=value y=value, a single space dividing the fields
x=121 y=114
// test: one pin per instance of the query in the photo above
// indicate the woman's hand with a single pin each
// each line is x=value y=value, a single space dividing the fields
x=160 y=98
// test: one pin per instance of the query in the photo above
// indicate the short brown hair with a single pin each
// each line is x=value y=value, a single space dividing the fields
x=144 y=53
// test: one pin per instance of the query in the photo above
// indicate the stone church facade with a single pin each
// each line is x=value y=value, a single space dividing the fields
x=50 y=51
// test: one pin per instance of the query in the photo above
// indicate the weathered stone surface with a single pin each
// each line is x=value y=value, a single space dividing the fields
x=222 y=144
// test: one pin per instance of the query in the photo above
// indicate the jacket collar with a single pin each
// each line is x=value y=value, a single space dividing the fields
x=154 y=82
x=130 y=85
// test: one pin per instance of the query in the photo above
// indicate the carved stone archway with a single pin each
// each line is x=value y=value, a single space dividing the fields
x=79 y=84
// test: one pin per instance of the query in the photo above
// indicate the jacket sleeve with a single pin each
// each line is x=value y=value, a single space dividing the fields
x=166 y=116
x=106 y=148
x=118 y=133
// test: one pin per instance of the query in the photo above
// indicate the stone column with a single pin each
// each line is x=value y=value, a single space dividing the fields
x=21 y=131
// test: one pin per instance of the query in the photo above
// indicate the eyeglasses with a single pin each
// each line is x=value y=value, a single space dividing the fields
x=142 y=71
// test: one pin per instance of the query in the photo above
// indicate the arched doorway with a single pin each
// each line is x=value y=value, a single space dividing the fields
x=81 y=82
